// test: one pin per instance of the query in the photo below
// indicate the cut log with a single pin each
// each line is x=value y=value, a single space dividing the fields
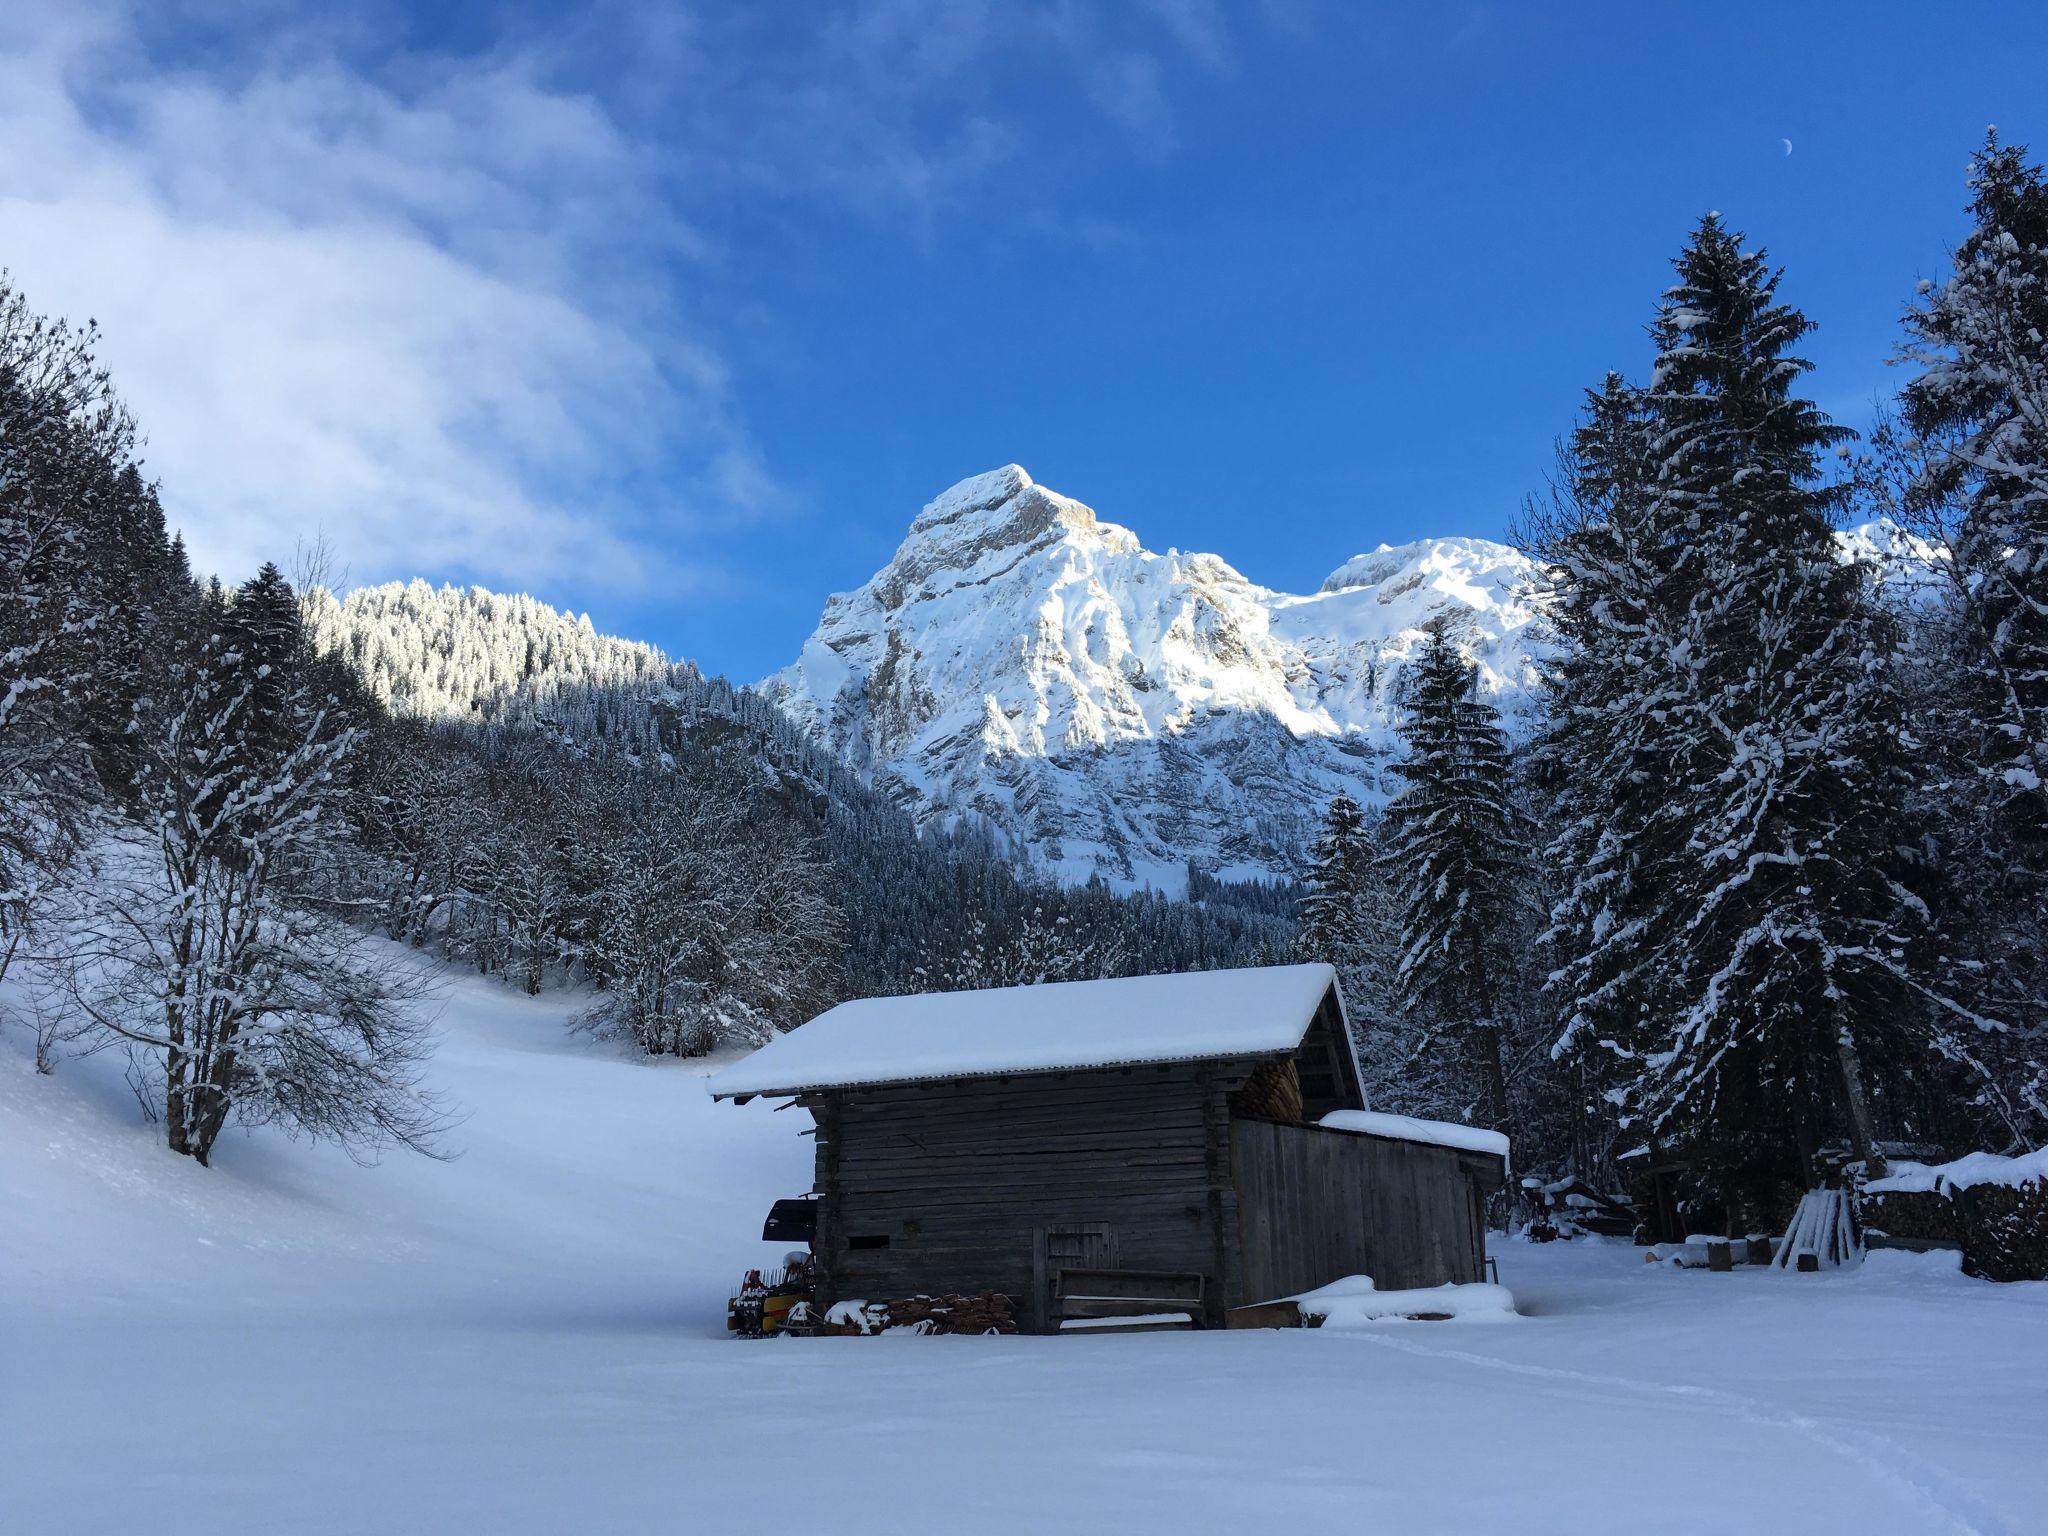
x=1265 y=1314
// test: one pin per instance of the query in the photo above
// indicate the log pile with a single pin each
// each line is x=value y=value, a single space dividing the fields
x=989 y=1312
x=2004 y=1229
x=1272 y=1092
x=1918 y=1215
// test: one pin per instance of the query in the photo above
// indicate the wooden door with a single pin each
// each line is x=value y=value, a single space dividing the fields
x=1069 y=1245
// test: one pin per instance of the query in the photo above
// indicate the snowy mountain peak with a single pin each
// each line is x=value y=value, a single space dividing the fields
x=1474 y=571
x=1002 y=509
x=1113 y=711
x=977 y=493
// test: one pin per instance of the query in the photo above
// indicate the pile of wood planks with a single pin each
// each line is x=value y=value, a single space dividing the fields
x=1126 y=1300
x=1823 y=1234
x=989 y=1312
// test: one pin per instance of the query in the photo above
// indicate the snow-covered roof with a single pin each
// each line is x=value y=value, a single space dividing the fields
x=1057 y=1026
x=1437 y=1133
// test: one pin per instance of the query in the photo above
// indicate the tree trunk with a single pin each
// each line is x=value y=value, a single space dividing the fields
x=1495 y=1078
x=1861 y=1132
x=175 y=1129
x=211 y=1120
x=1492 y=1067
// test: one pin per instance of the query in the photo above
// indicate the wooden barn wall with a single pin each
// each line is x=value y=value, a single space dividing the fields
x=959 y=1177
x=1316 y=1205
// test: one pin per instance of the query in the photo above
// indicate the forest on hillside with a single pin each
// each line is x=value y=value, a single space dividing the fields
x=1770 y=876
x=214 y=795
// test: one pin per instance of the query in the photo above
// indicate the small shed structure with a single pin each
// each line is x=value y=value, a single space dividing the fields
x=986 y=1141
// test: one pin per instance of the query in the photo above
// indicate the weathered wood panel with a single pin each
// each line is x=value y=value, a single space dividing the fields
x=955 y=1186
x=1315 y=1205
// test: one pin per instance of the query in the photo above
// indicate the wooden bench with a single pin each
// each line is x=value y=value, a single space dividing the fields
x=1146 y=1296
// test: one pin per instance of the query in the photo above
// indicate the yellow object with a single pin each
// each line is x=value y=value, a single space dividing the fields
x=775 y=1311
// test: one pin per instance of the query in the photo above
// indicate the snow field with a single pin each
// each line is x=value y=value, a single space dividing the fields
x=529 y=1338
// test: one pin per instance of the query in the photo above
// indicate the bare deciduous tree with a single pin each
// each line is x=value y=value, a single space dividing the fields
x=191 y=945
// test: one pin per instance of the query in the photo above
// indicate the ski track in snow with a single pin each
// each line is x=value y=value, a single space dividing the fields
x=1967 y=1514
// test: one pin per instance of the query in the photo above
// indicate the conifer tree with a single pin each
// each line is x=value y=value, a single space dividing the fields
x=1981 y=405
x=1340 y=869
x=90 y=589
x=1967 y=471
x=1778 y=918
x=1614 y=555
x=1350 y=917
x=1457 y=847
x=1615 y=560
x=266 y=649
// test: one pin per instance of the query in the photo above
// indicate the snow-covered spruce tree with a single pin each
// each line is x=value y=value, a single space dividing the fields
x=1988 y=976
x=1350 y=917
x=1339 y=871
x=193 y=948
x=1786 y=937
x=1980 y=404
x=1966 y=469
x=1457 y=852
x=1620 y=570
x=1975 y=443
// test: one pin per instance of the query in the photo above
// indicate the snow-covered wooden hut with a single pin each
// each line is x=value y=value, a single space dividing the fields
x=1207 y=1129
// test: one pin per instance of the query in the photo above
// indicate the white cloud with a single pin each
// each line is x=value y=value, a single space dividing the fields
x=429 y=322
x=435 y=307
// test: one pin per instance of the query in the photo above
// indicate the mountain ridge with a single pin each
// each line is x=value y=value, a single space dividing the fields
x=1025 y=668
x=1117 y=712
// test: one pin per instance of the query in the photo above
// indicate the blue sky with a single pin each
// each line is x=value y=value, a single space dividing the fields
x=678 y=314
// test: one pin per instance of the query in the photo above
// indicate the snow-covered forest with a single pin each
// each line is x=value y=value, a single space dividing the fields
x=214 y=794
x=1769 y=874
x=1765 y=873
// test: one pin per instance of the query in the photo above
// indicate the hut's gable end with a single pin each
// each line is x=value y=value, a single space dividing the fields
x=1326 y=1063
x=958 y=1186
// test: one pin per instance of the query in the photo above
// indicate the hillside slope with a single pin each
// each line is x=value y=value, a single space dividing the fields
x=528 y=1339
x=915 y=898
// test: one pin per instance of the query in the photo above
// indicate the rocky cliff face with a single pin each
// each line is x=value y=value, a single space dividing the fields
x=1117 y=712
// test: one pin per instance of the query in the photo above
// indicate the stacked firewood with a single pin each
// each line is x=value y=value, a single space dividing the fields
x=1272 y=1092
x=987 y=1313
x=2005 y=1230
x=1924 y=1215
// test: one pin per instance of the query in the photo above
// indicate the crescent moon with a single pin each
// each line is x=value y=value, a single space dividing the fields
x=1788 y=145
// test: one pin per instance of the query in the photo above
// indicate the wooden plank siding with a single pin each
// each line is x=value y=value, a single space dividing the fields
x=948 y=1186
x=1315 y=1205
x=993 y=1183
